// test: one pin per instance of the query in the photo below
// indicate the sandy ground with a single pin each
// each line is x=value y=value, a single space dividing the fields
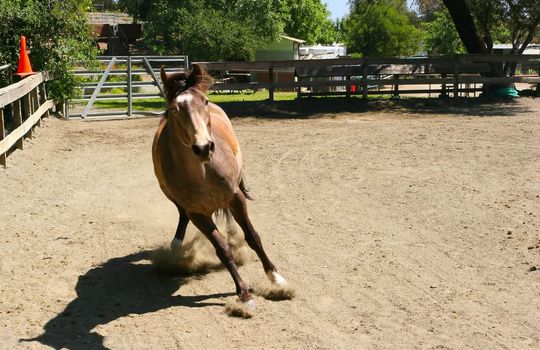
x=401 y=225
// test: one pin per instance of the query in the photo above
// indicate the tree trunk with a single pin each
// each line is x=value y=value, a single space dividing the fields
x=466 y=28
x=510 y=67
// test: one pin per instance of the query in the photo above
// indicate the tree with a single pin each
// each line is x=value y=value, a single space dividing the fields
x=381 y=28
x=58 y=37
x=441 y=37
x=525 y=18
x=428 y=9
x=309 y=20
x=105 y=5
x=208 y=29
x=478 y=21
x=139 y=9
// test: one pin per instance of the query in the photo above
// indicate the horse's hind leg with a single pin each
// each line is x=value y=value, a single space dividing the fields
x=239 y=211
x=183 y=221
x=208 y=228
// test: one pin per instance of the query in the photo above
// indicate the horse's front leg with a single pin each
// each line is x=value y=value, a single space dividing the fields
x=207 y=226
x=239 y=211
x=176 y=243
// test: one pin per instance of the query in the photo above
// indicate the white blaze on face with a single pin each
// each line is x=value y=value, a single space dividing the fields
x=201 y=135
x=184 y=99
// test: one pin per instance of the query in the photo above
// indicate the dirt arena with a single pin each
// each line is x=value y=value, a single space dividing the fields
x=400 y=224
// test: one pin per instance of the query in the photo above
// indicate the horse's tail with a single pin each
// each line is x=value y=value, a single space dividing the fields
x=226 y=215
x=243 y=187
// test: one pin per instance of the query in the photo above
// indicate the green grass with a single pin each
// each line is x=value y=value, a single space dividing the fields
x=157 y=103
x=257 y=96
x=140 y=104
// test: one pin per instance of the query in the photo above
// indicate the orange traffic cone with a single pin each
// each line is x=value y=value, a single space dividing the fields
x=24 y=68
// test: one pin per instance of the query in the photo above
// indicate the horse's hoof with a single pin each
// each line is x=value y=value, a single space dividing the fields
x=250 y=305
x=276 y=278
x=176 y=245
x=239 y=308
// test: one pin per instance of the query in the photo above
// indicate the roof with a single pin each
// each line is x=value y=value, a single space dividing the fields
x=532 y=49
x=109 y=18
x=322 y=51
x=299 y=41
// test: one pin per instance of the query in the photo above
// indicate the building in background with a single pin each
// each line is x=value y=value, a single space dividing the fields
x=115 y=32
x=284 y=49
x=532 y=49
x=322 y=52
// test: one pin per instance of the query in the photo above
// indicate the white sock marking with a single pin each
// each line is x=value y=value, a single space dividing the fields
x=250 y=305
x=276 y=278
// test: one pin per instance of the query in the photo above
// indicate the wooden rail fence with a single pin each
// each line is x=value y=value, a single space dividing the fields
x=359 y=76
x=457 y=75
x=28 y=104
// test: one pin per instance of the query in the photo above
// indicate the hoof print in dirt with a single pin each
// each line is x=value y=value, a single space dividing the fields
x=275 y=293
x=240 y=309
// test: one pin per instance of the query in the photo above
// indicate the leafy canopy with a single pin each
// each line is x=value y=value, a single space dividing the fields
x=441 y=37
x=427 y=9
x=227 y=29
x=482 y=23
x=58 y=37
x=381 y=28
x=309 y=20
x=207 y=29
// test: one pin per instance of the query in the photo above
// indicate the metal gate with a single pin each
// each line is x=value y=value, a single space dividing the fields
x=144 y=68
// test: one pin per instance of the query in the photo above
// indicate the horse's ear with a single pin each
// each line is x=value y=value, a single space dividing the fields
x=164 y=79
x=198 y=77
x=195 y=76
x=173 y=83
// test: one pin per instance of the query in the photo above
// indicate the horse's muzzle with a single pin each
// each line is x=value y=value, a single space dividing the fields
x=204 y=153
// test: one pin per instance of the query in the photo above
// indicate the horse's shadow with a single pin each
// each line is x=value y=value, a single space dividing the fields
x=119 y=287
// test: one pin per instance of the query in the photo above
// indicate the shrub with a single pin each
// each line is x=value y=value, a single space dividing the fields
x=58 y=37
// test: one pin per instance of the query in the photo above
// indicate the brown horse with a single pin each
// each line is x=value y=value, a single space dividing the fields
x=198 y=164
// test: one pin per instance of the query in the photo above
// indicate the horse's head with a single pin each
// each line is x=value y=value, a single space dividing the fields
x=188 y=109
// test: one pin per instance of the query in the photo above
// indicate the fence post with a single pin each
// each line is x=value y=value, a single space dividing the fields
x=2 y=136
x=456 y=78
x=298 y=88
x=17 y=120
x=186 y=63
x=35 y=103
x=271 y=81
x=348 y=86
x=364 y=81
x=27 y=104
x=396 y=86
x=43 y=97
x=443 y=86
x=129 y=87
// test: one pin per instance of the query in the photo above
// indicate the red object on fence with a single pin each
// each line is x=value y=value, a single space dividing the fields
x=24 y=68
x=353 y=88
